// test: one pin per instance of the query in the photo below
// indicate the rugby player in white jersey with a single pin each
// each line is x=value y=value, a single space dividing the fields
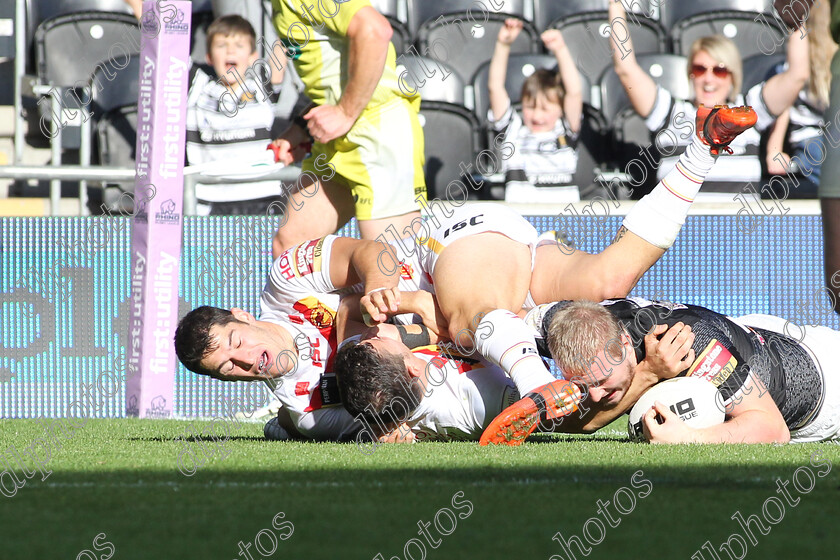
x=455 y=256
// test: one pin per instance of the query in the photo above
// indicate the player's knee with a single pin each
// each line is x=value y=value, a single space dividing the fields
x=461 y=333
x=616 y=284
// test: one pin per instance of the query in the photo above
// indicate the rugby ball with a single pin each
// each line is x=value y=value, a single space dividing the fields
x=693 y=399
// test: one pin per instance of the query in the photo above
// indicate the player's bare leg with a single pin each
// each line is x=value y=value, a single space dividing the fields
x=316 y=209
x=481 y=280
x=650 y=227
x=478 y=274
x=372 y=229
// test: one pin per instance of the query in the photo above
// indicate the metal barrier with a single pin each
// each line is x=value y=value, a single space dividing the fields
x=192 y=175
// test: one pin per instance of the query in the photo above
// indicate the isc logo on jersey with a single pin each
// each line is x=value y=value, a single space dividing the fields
x=715 y=364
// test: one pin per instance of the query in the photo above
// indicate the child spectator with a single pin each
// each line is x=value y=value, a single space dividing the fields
x=231 y=117
x=544 y=161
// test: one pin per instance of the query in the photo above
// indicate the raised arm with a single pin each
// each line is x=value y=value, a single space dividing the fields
x=569 y=76
x=775 y=146
x=780 y=91
x=640 y=87
x=499 y=99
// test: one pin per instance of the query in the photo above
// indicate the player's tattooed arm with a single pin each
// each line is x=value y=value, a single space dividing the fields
x=622 y=231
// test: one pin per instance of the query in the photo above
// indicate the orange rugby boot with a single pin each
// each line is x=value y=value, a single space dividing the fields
x=515 y=423
x=719 y=126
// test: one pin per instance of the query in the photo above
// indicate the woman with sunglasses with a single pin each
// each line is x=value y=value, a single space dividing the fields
x=715 y=72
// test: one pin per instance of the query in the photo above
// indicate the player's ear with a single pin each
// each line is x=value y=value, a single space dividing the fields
x=414 y=370
x=242 y=315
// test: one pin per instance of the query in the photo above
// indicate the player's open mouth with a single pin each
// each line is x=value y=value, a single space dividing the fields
x=264 y=362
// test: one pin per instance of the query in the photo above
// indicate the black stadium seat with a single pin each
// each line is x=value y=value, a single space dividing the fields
x=547 y=13
x=758 y=68
x=433 y=80
x=465 y=46
x=668 y=70
x=588 y=39
x=746 y=22
x=452 y=138
x=420 y=11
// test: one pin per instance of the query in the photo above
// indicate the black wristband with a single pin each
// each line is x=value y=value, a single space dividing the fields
x=414 y=340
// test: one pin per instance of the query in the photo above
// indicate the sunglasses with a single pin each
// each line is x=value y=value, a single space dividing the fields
x=719 y=71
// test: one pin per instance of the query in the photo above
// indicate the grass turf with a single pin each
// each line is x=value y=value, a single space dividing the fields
x=121 y=478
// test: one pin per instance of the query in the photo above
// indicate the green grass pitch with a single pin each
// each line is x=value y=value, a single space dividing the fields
x=121 y=478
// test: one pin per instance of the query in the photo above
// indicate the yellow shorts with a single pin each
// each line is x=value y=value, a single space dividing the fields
x=380 y=160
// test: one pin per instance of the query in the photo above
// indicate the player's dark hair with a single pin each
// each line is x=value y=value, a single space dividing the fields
x=192 y=337
x=231 y=25
x=377 y=386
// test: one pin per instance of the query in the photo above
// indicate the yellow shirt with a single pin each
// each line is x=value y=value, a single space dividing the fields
x=316 y=38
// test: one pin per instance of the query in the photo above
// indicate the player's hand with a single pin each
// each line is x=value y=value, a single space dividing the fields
x=402 y=434
x=774 y=167
x=670 y=354
x=553 y=40
x=287 y=152
x=672 y=429
x=379 y=304
x=509 y=31
x=431 y=315
x=328 y=122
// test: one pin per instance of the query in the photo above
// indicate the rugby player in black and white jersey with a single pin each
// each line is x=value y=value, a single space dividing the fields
x=777 y=381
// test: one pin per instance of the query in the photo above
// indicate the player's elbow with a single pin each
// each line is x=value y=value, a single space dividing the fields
x=782 y=434
x=376 y=29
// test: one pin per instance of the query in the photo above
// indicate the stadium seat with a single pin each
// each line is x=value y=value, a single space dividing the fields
x=116 y=136
x=759 y=67
x=668 y=70
x=395 y=12
x=548 y=13
x=466 y=47
x=111 y=90
x=421 y=11
x=736 y=20
x=520 y=66
x=114 y=109
x=587 y=36
x=451 y=139
x=628 y=130
x=434 y=80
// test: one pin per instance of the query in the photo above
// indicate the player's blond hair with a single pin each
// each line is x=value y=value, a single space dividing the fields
x=724 y=52
x=579 y=332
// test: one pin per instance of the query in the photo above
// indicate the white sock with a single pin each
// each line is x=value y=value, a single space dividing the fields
x=658 y=217
x=505 y=340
